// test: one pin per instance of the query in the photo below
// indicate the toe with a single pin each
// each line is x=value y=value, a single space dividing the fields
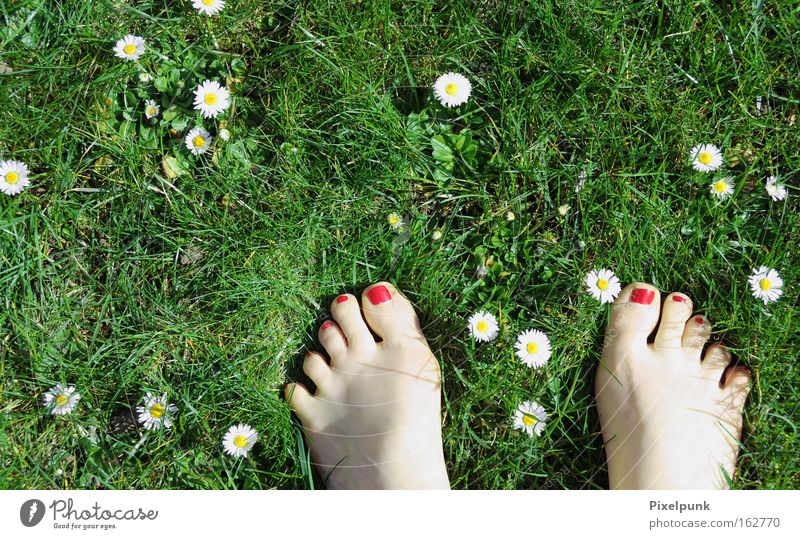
x=332 y=339
x=676 y=309
x=716 y=360
x=347 y=314
x=317 y=369
x=696 y=332
x=737 y=386
x=301 y=401
x=635 y=313
x=390 y=314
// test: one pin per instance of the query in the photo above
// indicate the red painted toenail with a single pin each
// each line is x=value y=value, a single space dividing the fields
x=327 y=324
x=643 y=295
x=341 y=299
x=700 y=320
x=679 y=299
x=379 y=294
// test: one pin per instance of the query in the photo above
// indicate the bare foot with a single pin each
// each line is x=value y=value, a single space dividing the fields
x=374 y=422
x=670 y=419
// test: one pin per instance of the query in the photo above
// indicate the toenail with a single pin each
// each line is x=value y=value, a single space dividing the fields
x=700 y=320
x=341 y=299
x=643 y=295
x=379 y=294
x=679 y=299
x=327 y=324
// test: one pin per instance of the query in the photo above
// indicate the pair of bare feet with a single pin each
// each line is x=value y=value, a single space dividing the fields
x=671 y=415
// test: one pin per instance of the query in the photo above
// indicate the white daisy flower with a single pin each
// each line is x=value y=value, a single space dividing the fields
x=436 y=235
x=224 y=134
x=452 y=89
x=208 y=7
x=129 y=48
x=61 y=400
x=395 y=220
x=145 y=77
x=603 y=285
x=239 y=440
x=775 y=190
x=766 y=284
x=211 y=98
x=13 y=177
x=156 y=412
x=198 y=140
x=530 y=418
x=706 y=157
x=533 y=348
x=483 y=326
x=722 y=187
x=151 y=109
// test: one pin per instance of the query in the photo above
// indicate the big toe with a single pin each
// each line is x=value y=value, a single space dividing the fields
x=389 y=313
x=634 y=314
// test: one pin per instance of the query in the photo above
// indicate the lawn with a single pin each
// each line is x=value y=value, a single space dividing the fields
x=130 y=265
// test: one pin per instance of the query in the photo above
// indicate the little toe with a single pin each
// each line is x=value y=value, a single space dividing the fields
x=317 y=369
x=332 y=339
x=737 y=386
x=676 y=309
x=301 y=401
x=346 y=312
x=390 y=314
x=696 y=333
x=635 y=313
x=716 y=360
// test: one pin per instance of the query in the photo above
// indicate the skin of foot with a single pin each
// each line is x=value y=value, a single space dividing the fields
x=374 y=421
x=671 y=415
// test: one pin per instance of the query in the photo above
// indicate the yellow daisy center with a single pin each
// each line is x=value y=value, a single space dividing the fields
x=240 y=441
x=129 y=49
x=532 y=348
x=451 y=89
x=720 y=186
x=157 y=410
x=12 y=178
x=61 y=400
x=482 y=326
x=529 y=420
x=602 y=284
x=393 y=219
x=210 y=99
x=151 y=111
x=705 y=158
x=199 y=141
x=208 y=2
x=765 y=284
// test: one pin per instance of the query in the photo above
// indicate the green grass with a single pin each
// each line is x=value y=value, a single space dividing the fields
x=210 y=285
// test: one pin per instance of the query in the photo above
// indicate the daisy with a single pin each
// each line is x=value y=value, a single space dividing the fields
x=483 y=326
x=533 y=348
x=61 y=399
x=239 y=440
x=211 y=98
x=706 y=157
x=224 y=134
x=603 y=285
x=13 y=177
x=208 y=7
x=774 y=189
x=531 y=418
x=129 y=48
x=151 y=110
x=452 y=89
x=766 y=284
x=722 y=187
x=395 y=221
x=156 y=412
x=198 y=140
